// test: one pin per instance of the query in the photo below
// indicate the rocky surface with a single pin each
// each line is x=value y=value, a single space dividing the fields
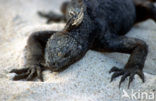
x=86 y=80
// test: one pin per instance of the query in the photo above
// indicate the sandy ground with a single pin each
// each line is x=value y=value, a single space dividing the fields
x=86 y=80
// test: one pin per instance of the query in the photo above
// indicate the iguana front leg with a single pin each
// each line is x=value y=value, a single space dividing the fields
x=34 y=55
x=137 y=48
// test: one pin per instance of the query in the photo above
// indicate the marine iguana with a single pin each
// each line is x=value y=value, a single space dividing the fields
x=90 y=24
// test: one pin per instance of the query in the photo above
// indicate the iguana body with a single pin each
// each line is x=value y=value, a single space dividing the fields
x=90 y=24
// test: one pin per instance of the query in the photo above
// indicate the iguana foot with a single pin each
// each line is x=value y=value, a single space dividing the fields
x=131 y=72
x=28 y=73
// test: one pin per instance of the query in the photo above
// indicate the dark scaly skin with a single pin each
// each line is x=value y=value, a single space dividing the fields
x=101 y=26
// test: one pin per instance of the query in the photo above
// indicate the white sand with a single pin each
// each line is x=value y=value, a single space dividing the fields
x=86 y=80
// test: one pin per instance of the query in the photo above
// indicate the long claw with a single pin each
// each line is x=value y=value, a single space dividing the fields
x=115 y=75
x=114 y=69
x=123 y=78
x=131 y=78
x=30 y=76
x=19 y=71
x=42 y=14
x=21 y=76
x=141 y=75
x=39 y=74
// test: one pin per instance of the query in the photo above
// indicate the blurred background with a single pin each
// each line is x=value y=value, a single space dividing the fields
x=86 y=80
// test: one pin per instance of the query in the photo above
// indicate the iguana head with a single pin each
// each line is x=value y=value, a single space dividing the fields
x=61 y=50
